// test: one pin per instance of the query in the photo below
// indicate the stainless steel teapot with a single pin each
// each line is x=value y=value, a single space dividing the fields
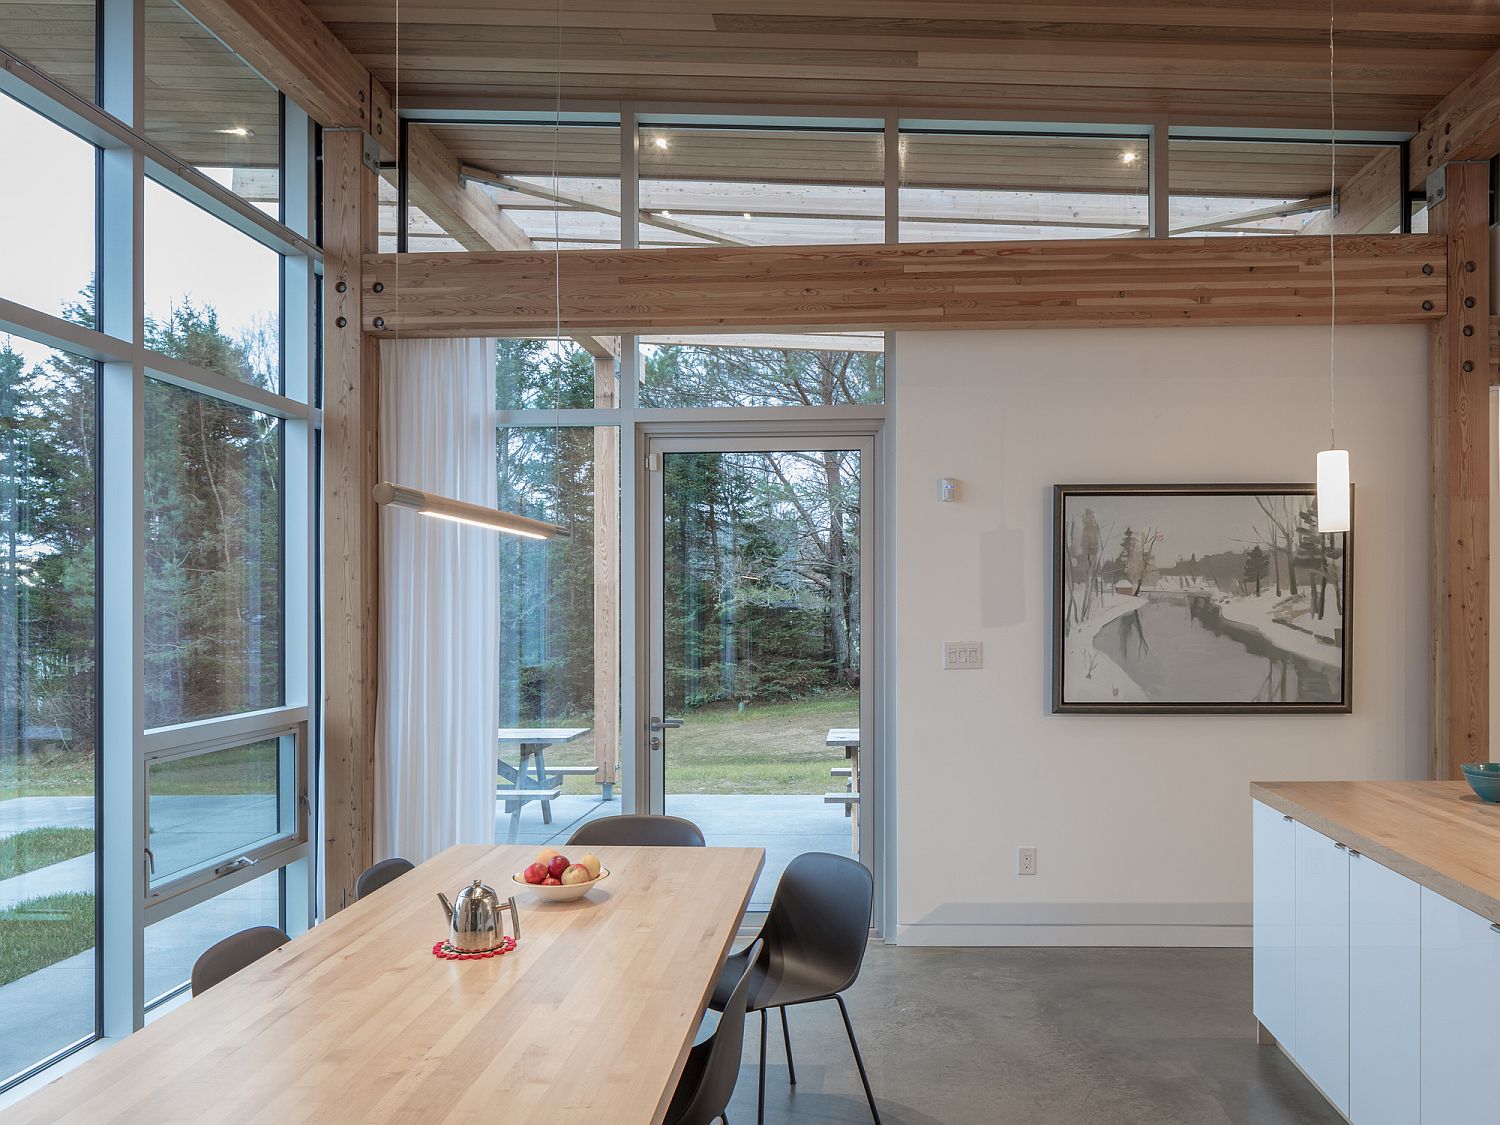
x=476 y=919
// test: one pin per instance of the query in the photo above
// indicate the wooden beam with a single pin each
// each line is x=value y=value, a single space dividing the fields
x=1463 y=126
x=1279 y=210
x=606 y=578
x=1459 y=385
x=1494 y=351
x=1369 y=202
x=350 y=557
x=654 y=216
x=1266 y=280
x=295 y=52
x=465 y=212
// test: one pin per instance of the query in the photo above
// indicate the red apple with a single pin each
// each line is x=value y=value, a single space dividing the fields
x=535 y=873
x=575 y=874
x=549 y=881
x=557 y=865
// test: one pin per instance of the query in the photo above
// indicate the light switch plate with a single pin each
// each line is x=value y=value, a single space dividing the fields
x=962 y=655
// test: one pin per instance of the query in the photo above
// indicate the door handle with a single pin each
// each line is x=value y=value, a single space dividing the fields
x=660 y=724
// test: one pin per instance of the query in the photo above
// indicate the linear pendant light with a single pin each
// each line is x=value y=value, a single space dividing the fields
x=1333 y=462
x=461 y=511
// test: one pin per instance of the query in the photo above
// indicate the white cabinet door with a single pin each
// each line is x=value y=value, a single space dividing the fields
x=1322 y=964
x=1460 y=1013
x=1385 y=1057
x=1273 y=909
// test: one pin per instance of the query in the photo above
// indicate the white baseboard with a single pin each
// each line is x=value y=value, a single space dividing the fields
x=1218 y=925
x=1175 y=936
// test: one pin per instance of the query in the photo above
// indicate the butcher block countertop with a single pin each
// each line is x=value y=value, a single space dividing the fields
x=1436 y=833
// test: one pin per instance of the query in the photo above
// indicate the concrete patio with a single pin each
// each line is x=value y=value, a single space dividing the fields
x=55 y=1005
x=785 y=825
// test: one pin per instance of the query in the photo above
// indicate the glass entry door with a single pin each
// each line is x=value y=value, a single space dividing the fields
x=759 y=602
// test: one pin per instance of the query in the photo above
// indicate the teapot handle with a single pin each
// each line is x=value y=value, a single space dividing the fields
x=515 y=918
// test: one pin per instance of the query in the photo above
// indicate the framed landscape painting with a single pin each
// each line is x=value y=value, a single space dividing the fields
x=1198 y=599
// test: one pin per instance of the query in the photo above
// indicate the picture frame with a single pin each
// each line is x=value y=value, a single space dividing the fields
x=1199 y=599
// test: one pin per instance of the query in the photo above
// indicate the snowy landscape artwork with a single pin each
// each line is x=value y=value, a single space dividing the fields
x=1198 y=598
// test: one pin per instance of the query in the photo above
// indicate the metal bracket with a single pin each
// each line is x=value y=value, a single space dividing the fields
x=1437 y=186
x=369 y=148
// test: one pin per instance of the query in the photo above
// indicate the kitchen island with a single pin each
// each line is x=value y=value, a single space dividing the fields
x=1377 y=944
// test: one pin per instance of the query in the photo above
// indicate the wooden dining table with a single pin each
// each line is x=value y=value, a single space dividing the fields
x=590 y=1018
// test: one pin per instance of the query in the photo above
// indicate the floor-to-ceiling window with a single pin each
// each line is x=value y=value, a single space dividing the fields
x=157 y=449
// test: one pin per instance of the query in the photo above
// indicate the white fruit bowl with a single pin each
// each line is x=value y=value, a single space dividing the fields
x=566 y=892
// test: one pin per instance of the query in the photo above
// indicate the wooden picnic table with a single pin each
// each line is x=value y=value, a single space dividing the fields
x=848 y=739
x=589 y=1021
x=541 y=785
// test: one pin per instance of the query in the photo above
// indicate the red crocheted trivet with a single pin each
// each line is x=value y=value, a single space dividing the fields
x=446 y=951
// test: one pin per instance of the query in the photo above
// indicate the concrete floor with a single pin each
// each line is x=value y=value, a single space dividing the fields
x=1036 y=1037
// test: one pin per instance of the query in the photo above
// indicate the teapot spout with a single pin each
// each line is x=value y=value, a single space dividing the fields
x=447 y=907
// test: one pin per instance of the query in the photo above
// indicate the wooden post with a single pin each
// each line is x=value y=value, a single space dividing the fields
x=350 y=556
x=606 y=581
x=1459 y=391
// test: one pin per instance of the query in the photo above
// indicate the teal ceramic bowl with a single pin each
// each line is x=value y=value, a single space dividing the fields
x=1484 y=779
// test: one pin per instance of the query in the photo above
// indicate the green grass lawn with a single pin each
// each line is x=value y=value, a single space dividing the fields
x=41 y=847
x=244 y=769
x=43 y=931
x=54 y=774
x=764 y=748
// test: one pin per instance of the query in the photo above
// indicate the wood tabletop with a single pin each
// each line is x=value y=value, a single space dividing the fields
x=1436 y=833
x=548 y=735
x=590 y=1019
x=842 y=736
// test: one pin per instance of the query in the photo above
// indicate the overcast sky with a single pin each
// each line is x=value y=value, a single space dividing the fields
x=47 y=235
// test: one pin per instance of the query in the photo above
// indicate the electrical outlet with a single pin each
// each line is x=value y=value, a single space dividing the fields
x=1025 y=861
x=962 y=655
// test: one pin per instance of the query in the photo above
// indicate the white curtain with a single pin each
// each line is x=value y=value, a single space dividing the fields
x=439 y=699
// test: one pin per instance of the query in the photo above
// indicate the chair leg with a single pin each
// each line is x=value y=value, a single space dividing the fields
x=786 y=1034
x=760 y=1103
x=858 y=1061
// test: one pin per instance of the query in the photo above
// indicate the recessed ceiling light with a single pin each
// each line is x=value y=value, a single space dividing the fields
x=661 y=142
x=747 y=216
x=236 y=131
x=666 y=214
x=1129 y=156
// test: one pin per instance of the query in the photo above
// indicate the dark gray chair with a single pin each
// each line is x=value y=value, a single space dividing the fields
x=713 y=1066
x=225 y=958
x=815 y=937
x=378 y=875
x=639 y=831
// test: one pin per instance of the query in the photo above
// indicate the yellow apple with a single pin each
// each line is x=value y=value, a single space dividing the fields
x=576 y=874
x=544 y=856
x=591 y=861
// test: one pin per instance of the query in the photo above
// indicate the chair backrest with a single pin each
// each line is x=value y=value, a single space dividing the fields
x=640 y=831
x=722 y=1070
x=820 y=918
x=225 y=958
x=378 y=875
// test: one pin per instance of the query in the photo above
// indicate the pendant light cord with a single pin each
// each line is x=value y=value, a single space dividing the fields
x=1333 y=272
x=557 y=342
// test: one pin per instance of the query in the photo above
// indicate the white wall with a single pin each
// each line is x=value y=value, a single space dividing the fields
x=1142 y=823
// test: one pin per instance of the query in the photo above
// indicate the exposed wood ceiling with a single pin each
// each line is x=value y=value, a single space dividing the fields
x=1211 y=61
x=196 y=89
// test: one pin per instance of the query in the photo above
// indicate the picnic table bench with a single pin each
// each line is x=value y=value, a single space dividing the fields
x=848 y=739
x=539 y=783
